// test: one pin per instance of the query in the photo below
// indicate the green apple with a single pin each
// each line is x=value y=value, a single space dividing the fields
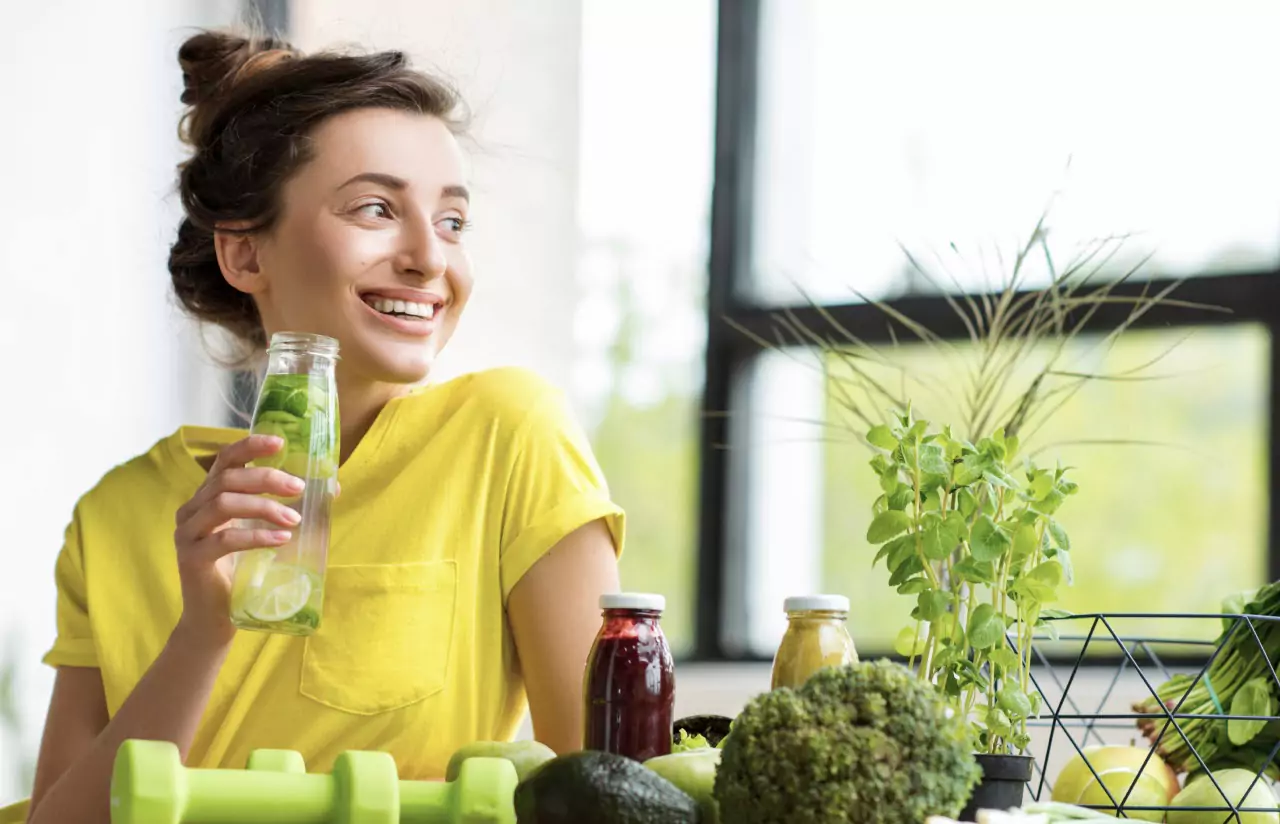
x=1201 y=792
x=1077 y=776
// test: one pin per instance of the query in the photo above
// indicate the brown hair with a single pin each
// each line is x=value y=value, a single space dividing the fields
x=252 y=102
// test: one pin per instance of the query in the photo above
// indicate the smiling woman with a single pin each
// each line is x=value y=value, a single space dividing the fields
x=327 y=194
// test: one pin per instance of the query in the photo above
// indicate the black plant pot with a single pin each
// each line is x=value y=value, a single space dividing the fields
x=1004 y=778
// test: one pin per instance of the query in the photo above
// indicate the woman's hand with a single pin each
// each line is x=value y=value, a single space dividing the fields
x=206 y=532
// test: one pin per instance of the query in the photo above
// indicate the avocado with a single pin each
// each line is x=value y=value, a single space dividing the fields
x=711 y=727
x=693 y=771
x=526 y=756
x=601 y=788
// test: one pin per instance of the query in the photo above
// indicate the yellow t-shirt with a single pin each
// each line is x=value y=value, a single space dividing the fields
x=455 y=492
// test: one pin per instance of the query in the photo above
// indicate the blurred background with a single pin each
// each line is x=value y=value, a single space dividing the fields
x=652 y=180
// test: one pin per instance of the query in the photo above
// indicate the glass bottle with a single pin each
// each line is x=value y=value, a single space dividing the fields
x=817 y=636
x=629 y=686
x=281 y=589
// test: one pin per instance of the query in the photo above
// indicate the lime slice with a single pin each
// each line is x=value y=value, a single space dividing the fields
x=280 y=593
x=296 y=403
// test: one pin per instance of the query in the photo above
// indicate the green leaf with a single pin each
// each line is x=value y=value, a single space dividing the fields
x=1253 y=698
x=911 y=641
x=968 y=504
x=1050 y=503
x=933 y=460
x=1049 y=630
x=1011 y=444
x=1025 y=540
x=1068 y=487
x=938 y=542
x=986 y=627
x=956 y=526
x=1040 y=584
x=945 y=626
x=997 y=477
x=932 y=604
x=888 y=524
x=915 y=585
x=1055 y=613
x=1068 y=571
x=881 y=436
x=1059 y=535
x=888 y=549
x=901 y=497
x=903 y=549
x=1005 y=658
x=917 y=429
x=975 y=572
x=970 y=469
x=909 y=567
x=1041 y=485
x=1014 y=701
x=988 y=541
x=998 y=722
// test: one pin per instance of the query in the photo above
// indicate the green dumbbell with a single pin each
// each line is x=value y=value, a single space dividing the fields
x=150 y=786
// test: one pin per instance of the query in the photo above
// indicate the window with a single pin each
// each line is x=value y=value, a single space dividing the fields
x=644 y=194
x=849 y=136
x=928 y=123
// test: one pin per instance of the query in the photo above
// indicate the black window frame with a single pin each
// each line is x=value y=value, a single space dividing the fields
x=1249 y=297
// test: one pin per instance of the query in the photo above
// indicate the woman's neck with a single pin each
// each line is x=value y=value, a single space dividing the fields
x=359 y=404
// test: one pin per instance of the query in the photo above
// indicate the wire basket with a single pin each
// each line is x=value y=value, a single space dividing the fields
x=1093 y=675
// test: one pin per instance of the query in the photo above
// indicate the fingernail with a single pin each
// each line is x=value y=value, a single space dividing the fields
x=295 y=484
x=292 y=516
x=281 y=535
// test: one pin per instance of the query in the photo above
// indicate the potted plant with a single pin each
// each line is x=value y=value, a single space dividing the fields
x=975 y=541
x=965 y=521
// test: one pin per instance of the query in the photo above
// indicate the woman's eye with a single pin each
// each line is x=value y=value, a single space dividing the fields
x=454 y=225
x=377 y=209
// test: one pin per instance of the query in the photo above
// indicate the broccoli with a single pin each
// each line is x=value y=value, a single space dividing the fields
x=865 y=742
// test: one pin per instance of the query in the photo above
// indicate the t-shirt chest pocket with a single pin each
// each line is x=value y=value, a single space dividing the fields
x=385 y=638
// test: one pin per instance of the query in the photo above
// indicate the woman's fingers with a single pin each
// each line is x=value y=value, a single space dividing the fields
x=229 y=506
x=224 y=542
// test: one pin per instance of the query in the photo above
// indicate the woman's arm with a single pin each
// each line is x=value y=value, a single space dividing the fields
x=555 y=613
x=73 y=776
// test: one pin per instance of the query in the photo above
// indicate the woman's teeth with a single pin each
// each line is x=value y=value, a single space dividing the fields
x=403 y=307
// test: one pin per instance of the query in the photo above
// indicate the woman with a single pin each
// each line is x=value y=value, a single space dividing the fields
x=474 y=533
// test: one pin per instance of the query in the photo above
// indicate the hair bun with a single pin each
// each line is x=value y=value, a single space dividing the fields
x=213 y=62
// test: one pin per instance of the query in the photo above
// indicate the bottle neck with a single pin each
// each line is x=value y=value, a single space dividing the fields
x=648 y=616
x=816 y=616
x=300 y=353
x=293 y=362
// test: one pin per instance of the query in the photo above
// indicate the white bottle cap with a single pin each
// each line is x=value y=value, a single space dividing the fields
x=816 y=603
x=633 y=600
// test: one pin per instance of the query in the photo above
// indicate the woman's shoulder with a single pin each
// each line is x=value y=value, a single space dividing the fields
x=509 y=395
x=147 y=475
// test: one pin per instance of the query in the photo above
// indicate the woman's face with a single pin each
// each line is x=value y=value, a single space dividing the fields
x=368 y=247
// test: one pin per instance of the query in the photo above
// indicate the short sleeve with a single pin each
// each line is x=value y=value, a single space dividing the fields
x=555 y=486
x=74 y=646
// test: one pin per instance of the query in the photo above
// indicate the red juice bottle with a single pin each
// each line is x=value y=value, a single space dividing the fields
x=629 y=688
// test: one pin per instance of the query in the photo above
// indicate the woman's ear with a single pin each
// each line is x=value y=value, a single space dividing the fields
x=238 y=258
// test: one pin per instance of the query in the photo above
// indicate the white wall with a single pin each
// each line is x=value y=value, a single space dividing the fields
x=95 y=363
x=516 y=64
